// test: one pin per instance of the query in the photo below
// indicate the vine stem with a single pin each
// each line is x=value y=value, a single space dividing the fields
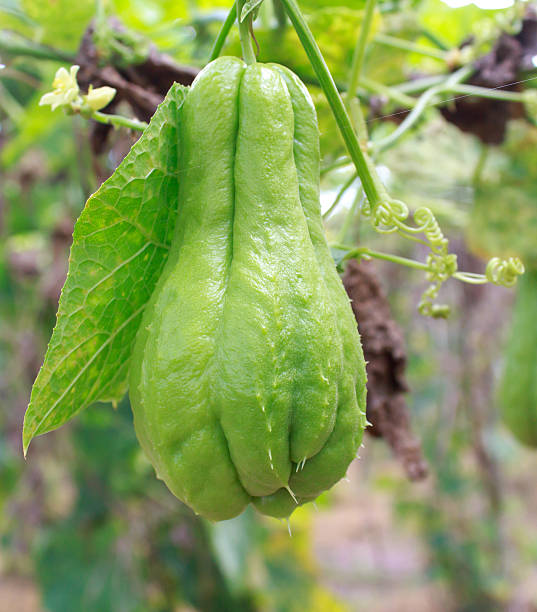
x=480 y=165
x=244 y=35
x=434 y=39
x=338 y=163
x=365 y=170
x=100 y=14
x=419 y=85
x=346 y=185
x=10 y=105
x=359 y=50
x=389 y=92
x=471 y=278
x=279 y=13
x=407 y=45
x=224 y=31
x=23 y=77
x=485 y=92
x=422 y=103
x=118 y=121
x=351 y=214
x=356 y=253
x=397 y=95
x=18 y=45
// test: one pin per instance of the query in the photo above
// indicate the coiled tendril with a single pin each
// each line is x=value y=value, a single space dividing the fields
x=504 y=271
x=390 y=216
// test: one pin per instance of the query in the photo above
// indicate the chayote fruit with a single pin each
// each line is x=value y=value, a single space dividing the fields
x=248 y=380
x=518 y=392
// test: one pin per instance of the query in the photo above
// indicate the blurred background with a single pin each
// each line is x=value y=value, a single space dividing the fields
x=438 y=514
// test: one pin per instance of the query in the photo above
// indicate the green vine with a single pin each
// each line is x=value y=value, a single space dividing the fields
x=439 y=267
x=422 y=103
x=223 y=33
x=407 y=45
x=386 y=214
x=343 y=189
x=366 y=173
x=359 y=51
x=245 y=27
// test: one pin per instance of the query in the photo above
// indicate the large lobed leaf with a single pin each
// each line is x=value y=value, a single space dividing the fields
x=120 y=245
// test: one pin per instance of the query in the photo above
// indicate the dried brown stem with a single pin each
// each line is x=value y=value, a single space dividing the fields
x=385 y=353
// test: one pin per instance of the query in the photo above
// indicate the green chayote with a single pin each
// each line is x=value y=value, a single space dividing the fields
x=248 y=380
x=518 y=393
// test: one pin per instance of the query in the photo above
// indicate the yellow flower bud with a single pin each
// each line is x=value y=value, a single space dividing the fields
x=99 y=98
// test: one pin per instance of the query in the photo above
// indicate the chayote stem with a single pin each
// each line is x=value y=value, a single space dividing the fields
x=244 y=35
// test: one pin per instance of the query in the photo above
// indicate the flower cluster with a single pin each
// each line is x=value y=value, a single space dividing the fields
x=67 y=94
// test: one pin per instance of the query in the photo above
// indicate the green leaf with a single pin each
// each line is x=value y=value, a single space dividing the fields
x=234 y=545
x=338 y=255
x=249 y=7
x=120 y=244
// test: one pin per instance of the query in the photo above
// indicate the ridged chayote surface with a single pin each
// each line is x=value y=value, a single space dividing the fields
x=248 y=380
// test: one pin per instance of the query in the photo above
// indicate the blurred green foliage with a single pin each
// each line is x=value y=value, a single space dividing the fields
x=51 y=24
x=504 y=215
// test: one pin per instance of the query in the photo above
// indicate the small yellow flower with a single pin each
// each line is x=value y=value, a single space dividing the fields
x=66 y=89
x=99 y=98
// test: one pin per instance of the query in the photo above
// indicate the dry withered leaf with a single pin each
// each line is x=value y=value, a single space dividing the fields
x=385 y=353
